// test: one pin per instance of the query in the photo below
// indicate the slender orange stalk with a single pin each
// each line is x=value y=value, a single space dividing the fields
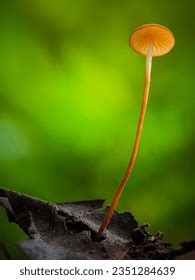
x=124 y=180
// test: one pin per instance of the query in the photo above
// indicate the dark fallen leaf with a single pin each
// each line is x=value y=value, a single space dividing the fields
x=4 y=250
x=68 y=231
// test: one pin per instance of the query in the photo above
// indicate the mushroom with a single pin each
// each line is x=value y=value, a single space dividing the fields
x=149 y=40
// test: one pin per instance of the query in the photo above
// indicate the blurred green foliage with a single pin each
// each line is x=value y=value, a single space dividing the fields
x=70 y=93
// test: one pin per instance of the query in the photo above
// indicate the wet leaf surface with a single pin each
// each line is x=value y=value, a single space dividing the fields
x=68 y=231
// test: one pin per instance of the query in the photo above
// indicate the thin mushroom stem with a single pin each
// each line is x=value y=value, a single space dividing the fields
x=128 y=171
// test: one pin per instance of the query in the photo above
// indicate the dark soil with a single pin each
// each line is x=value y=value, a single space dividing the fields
x=68 y=231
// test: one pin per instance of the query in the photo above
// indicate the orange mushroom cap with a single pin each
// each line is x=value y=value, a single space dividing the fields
x=156 y=35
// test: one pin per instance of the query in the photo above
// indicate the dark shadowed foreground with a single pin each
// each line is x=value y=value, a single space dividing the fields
x=67 y=231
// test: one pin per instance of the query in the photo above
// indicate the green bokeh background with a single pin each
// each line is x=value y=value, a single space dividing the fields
x=70 y=94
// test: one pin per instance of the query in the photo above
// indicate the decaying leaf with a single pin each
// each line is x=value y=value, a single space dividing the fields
x=68 y=231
